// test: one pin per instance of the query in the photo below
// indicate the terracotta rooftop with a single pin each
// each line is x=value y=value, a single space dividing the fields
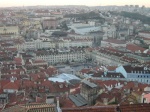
x=115 y=41
x=134 y=48
x=113 y=108
x=90 y=109
x=11 y=85
x=135 y=108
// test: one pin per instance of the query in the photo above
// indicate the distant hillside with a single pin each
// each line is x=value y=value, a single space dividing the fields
x=136 y=16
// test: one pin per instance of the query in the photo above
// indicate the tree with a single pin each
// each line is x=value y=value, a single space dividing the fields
x=59 y=34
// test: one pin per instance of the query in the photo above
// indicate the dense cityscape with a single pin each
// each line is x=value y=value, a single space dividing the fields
x=75 y=58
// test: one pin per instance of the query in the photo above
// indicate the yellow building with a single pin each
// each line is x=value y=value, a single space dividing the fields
x=25 y=23
x=14 y=30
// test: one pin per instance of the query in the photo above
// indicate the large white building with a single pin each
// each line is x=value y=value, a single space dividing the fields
x=36 y=44
x=145 y=34
x=62 y=56
x=58 y=43
x=78 y=42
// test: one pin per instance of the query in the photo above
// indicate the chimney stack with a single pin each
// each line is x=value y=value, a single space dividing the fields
x=57 y=98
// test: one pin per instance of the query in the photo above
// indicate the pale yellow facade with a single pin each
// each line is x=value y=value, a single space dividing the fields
x=9 y=30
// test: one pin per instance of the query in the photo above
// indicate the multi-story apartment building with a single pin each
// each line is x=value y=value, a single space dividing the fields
x=58 y=43
x=75 y=43
x=37 y=44
x=141 y=57
x=42 y=13
x=50 y=24
x=106 y=56
x=110 y=32
x=140 y=74
x=14 y=30
x=61 y=56
x=145 y=34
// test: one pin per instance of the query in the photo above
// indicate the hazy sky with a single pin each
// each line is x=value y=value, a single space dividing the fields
x=5 y=3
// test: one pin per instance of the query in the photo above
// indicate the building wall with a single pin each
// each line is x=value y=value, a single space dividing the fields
x=88 y=93
x=35 y=45
x=144 y=34
x=50 y=44
x=63 y=57
x=120 y=69
x=104 y=59
x=9 y=30
x=134 y=76
x=10 y=90
x=50 y=24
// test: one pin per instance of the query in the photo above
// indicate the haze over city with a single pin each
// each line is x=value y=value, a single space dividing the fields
x=9 y=3
x=74 y=56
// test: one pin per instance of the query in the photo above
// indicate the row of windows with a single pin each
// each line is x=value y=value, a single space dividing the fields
x=42 y=110
x=142 y=76
x=141 y=80
x=61 y=56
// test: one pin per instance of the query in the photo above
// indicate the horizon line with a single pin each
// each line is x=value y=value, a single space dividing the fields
x=72 y=5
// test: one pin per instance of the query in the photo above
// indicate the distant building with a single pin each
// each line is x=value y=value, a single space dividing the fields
x=13 y=30
x=145 y=34
x=50 y=24
x=110 y=32
x=42 y=13
x=66 y=56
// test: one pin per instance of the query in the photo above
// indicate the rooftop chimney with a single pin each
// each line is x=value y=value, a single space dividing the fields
x=57 y=98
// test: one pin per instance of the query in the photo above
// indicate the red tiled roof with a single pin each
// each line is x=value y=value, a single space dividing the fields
x=134 y=48
x=85 y=70
x=28 y=84
x=39 y=61
x=4 y=82
x=11 y=85
x=115 y=41
x=66 y=102
x=90 y=109
x=40 y=100
x=121 y=108
x=18 y=60
x=111 y=68
x=11 y=49
x=135 y=108
x=105 y=95
x=50 y=71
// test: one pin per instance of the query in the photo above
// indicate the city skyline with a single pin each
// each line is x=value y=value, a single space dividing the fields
x=8 y=3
